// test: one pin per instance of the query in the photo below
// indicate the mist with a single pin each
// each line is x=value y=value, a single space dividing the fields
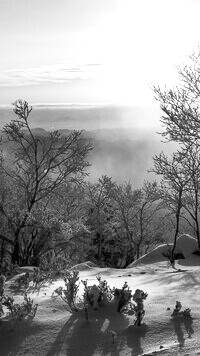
x=124 y=138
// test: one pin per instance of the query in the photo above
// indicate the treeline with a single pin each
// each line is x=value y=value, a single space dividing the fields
x=49 y=210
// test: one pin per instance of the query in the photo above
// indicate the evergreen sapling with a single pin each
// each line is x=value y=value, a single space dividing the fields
x=69 y=294
x=138 y=297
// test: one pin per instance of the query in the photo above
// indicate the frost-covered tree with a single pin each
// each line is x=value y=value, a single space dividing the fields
x=35 y=167
x=181 y=123
x=173 y=185
x=100 y=211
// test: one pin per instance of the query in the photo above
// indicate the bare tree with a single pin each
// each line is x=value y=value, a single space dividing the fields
x=174 y=182
x=99 y=208
x=191 y=198
x=180 y=105
x=181 y=122
x=37 y=166
x=148 y=229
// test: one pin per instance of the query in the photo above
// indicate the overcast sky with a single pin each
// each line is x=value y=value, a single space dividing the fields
x=93 y=51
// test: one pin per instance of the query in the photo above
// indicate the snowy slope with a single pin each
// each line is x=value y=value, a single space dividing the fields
x=55 y=331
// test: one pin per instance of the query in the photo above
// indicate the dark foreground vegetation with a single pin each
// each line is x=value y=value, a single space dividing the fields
x=51 y=215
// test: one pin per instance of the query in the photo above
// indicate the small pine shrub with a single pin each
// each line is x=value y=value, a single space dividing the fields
x=177 y=312
x=24 y=280
x=187 y=312
x=123 y=296
x=138 y=297
x=20 y=311
x=87 y=298
x=105 y=290
x=95 y=294
x=69 y=294
x=177 y=308
x=39 y=277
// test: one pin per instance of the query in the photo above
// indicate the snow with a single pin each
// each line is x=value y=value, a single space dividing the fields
x=186 y=245
x=156 y=255
x=54 y=331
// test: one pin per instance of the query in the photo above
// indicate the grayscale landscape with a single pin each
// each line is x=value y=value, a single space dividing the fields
x=99 y=178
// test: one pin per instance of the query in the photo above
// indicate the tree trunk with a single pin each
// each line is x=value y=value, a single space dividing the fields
x=15 y=253
x=177 y=222
x=196 y=217
x=2 y=251
x=99 y=237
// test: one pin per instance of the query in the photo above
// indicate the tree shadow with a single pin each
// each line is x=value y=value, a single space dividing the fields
x=134 y=334
x=85 y=337
x=61 y=337
x=188 y=279
x=179 y=321
x=12 y=337
x=37 y=287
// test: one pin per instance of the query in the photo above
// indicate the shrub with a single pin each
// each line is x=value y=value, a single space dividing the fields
x=95 y=294
x=182 y=313
x=123 y=296
x=20 y=311
x=23 y=280
x=87 y=296
x=40 y=277
x=138 y=297
x=105 y=290
x=69 y=294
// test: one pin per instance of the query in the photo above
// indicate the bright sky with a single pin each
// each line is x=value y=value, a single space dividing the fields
x=93 y=51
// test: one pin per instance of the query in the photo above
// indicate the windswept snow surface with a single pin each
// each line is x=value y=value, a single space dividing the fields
x=54 y=331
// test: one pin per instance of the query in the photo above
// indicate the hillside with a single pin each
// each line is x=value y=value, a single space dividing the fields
x=56 y=332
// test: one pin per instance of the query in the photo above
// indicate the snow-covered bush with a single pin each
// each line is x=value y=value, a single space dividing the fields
x=178 y=312
x=24 y=280
x=19 y=311
x=105 y=290
x=94 y=295
x=138 y=297
x=39 y=277
x=87 y=297
x=69 y=294
x=123 y=296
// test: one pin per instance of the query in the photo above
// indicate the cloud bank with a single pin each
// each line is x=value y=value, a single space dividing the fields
x=48 y=74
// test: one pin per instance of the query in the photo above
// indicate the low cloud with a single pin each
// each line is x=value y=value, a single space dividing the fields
x=48 y=74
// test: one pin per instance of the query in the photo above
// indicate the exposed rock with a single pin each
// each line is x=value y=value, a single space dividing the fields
x=186 y=244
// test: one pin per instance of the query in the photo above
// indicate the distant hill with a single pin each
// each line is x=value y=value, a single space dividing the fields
x=124 y=153
x=88 y=117
x=127 y=157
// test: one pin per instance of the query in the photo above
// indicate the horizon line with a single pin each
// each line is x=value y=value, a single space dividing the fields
x=76 y=105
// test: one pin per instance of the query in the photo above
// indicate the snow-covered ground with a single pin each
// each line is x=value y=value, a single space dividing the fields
x=55 y=331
